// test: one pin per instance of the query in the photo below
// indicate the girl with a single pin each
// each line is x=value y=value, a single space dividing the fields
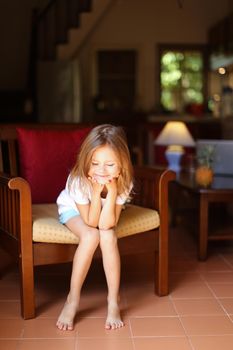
x=90 y=205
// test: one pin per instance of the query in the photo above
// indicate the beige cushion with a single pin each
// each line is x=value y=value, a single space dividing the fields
x=46 y=227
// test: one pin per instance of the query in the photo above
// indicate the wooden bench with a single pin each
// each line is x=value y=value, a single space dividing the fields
x=19 y=218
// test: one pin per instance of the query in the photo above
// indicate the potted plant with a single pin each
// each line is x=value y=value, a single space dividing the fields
x=204 y=172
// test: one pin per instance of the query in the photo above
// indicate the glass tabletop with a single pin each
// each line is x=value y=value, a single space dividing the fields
x=220 y=182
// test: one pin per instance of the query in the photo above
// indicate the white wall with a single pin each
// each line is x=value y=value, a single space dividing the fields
x=55 y=91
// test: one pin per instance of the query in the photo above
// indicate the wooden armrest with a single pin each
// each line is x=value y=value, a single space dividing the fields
x=16 y=208
x=16 y=234
x=151 y=187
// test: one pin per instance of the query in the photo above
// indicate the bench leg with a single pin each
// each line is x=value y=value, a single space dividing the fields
x=161 y=270
x=27 y=288
x=161 y=278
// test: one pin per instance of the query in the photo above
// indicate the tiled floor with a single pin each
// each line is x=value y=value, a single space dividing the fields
x=197 y=315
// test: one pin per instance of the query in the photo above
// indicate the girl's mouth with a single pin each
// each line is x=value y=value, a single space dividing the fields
x=102 y=179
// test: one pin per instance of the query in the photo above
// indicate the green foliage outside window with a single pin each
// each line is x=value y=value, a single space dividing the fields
x=181 y=79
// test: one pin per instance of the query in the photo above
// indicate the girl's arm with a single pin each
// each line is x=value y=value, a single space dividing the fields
x=110 y=213
x=90 y=213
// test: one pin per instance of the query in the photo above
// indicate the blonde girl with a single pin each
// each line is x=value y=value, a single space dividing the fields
x=90 y=206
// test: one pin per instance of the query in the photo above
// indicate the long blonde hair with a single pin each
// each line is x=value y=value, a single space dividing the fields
x=101 y=135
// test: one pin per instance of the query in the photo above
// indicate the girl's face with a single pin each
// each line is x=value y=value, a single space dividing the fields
x=104 y=165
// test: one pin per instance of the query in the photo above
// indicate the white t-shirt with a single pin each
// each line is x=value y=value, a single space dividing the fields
x=68 y=198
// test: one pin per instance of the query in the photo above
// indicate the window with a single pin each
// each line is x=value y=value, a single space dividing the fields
x=182 y=78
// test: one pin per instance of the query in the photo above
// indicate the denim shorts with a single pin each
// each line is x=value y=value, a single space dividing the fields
x=67 y=215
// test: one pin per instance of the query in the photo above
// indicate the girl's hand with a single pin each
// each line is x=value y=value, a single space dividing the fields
x=97 y=187
x=112 y=186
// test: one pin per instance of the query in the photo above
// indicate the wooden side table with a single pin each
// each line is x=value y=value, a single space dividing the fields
x=221 y=191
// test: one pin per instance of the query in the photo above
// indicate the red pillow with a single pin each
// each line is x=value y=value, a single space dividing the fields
x=46 y=158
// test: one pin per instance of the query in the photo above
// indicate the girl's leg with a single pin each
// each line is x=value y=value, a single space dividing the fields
x=111 y=263
x=88 y=242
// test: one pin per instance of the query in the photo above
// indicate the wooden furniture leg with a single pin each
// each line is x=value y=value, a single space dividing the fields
x=203 y=226
x=27 y=288
x=25 y=250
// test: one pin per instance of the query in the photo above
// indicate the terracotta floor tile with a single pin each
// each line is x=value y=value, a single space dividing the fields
x=191 y=291
x=218 y=277
x=46 y=344
x=44 y=328
x=94 y=328
x=11 y=328
x=48 y=292
x=49 y=308
x=144 y=270
x=212 y=342
x=183 y=265
x=222 y=290
x=198 y=307
x=178 y=278
x=227 y=304
x=140 y=291
x=150 y=307
x=104 y=344
x=8 y=344
x=228 y=257
x=207 y=325
x=163 y=343
x=214 y=263
x=156 y=326
x=10 y=309
x=9 y=290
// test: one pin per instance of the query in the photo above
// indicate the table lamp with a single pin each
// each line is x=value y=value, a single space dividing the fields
x=175 y=135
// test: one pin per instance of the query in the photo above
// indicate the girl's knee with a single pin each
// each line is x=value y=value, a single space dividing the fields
x=108 y=237
x=90 y=236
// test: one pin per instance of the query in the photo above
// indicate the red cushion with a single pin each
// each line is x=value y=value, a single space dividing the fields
x=46 y=158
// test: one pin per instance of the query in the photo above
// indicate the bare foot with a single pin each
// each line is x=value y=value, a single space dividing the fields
x=113 y=319
x=66 y=318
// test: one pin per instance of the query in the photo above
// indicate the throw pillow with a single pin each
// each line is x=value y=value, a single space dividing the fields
x=46 y=158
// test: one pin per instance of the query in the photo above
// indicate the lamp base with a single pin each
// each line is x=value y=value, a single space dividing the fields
x=173 y=156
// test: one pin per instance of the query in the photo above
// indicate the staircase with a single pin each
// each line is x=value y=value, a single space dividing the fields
x=64 y=26
x=60 y=31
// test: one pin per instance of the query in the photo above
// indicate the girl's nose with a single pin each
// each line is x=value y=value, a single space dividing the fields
x=101 y=168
